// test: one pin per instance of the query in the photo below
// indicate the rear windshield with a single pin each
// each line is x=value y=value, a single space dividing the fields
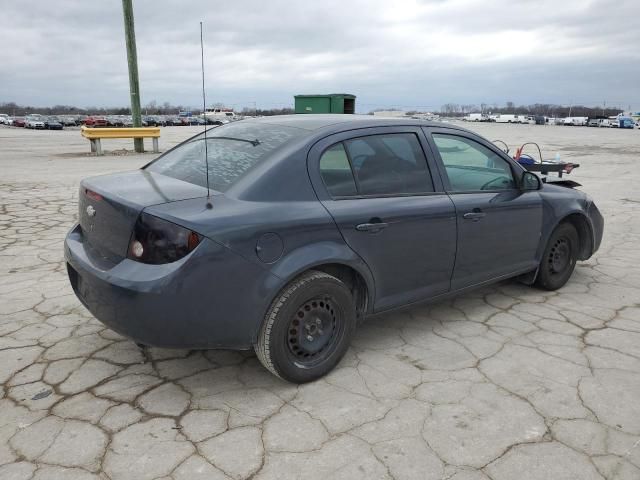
x=232 y=150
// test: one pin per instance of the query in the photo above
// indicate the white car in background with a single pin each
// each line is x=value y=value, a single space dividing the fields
x=4 y=119
x=34 y=122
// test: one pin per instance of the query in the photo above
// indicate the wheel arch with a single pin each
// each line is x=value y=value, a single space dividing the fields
x=353 y=279
x=342 y=263
x=583 y=226
x=585 y=233
x=357 y=278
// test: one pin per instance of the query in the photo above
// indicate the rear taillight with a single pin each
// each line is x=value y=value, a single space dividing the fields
x=158 y=241
x=92 y=195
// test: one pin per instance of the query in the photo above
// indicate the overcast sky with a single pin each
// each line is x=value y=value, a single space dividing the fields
x=411 y=54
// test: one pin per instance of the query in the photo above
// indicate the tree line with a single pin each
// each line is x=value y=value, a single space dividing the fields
x=151 y=108
x=448 y=109
x=545 y=109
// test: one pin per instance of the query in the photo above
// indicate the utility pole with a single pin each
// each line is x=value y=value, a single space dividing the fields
x=132 y=59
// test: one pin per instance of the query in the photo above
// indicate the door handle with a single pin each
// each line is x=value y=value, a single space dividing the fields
x=371 y=227
x=474 y=215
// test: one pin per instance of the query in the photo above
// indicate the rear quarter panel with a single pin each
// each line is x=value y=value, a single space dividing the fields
x=299 y=235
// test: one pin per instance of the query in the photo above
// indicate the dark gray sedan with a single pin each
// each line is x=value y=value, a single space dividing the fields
x=311 y=223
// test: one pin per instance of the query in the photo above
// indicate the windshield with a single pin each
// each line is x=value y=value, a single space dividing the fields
x=232 y=150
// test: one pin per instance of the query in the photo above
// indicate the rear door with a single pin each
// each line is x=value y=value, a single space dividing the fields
x=377 y=185
x=499 y=225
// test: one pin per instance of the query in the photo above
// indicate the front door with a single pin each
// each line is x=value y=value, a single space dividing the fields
x=377 y=185
x=499 y=225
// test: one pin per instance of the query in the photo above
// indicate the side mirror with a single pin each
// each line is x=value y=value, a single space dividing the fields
x=530 y=181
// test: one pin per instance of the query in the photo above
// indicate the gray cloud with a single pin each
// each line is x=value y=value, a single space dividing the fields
x=404 y=53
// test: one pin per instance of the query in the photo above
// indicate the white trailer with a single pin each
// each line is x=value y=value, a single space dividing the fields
x=576 y=121
x=503 y=118
x=476 y=117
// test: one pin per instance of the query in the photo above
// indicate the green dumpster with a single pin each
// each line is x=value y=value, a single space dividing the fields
x=329 y=103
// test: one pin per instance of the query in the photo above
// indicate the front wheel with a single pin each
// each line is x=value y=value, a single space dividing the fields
x=308 y=328
x=559 y=258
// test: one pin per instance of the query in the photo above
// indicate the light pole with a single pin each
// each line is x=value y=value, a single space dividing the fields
x=132 y=60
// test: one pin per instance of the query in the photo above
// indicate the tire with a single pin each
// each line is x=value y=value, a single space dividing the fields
x=559 y=258
x=307 y=329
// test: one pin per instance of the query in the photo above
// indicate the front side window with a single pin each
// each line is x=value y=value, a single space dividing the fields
x=232 y=150
x=391 y=164
x=471 y=166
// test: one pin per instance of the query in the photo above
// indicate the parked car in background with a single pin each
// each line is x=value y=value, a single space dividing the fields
x=52 y=123
x=95 y=121
x=626 y=122
x=4 y=119
x=605 y=122
x=594 y=122
x=173 y=121
x=68 y=121
x=18 y=122
x=153 y=121
x=114 y=121
x=380 y=214
x=34 y=122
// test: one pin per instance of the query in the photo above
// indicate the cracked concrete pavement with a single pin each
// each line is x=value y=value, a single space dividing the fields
x=506 y=382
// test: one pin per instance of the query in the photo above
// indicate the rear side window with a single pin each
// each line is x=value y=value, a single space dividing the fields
x=391 y=164
x=232 y=150
x=336 y=172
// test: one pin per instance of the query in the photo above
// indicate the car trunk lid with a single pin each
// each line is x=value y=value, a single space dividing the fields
x=109 y=206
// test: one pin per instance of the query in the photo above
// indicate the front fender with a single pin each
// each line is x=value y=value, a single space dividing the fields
x=552 y=222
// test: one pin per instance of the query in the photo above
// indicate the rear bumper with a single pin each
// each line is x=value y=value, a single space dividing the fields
x=209 y=299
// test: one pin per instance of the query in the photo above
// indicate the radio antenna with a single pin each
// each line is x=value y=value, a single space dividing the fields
x=204 y=117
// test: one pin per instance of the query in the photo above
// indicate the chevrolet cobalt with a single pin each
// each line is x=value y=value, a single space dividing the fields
x=280 y=233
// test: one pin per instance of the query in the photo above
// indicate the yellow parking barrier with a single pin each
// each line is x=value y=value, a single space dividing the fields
x=95 y=135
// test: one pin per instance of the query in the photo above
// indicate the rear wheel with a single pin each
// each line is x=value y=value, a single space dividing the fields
x=559 y=258
x=308 y=328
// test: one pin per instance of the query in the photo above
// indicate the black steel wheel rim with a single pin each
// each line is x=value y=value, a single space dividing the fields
x=314 y=331
x=560 y=257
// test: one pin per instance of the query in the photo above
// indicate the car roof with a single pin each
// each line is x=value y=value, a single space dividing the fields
x=313 y=122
